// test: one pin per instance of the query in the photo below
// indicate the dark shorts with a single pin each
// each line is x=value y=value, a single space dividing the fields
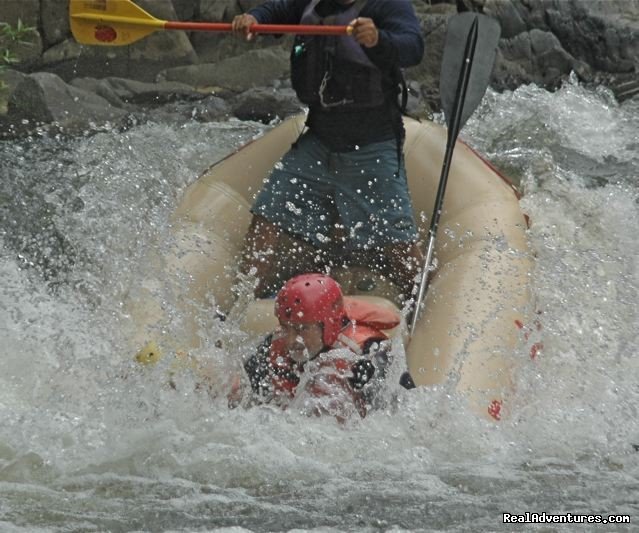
x=363 y=193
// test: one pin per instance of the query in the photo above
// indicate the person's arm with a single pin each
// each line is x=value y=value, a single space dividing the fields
x=363 y=371
x=399 y=40
x=375 y=362
x=279 y=11
x=271 y=12
x=258 y=370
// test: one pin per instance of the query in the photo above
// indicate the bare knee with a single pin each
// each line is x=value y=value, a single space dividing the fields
x=261 y=242
x=258 y=255
x=273 y=256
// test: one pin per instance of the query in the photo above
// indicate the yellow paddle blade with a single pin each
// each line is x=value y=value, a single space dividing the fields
x=110 y=22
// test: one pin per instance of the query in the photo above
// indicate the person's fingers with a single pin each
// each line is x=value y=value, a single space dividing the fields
x=236 y=25
x=365 y=32
x=234 y=397
x=241 y=25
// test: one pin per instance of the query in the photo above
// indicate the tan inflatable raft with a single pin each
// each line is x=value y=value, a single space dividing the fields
x=478 y=298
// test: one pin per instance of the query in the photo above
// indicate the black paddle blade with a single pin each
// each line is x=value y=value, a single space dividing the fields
x=459 y=28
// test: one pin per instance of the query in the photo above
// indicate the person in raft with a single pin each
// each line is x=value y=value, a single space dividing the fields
x=328 y=349
x=342 y=187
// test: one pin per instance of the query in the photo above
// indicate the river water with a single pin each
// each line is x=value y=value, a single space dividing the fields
x=89 y=442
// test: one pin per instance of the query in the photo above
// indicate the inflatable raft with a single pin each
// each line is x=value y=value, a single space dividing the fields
x=478 y=298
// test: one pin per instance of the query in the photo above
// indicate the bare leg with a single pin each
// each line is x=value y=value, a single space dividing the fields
x=404 y=262
x=258 y=257
x=274 y=256
x=400 y=263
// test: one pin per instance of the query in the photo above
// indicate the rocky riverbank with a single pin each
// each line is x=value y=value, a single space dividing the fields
x=177 y=75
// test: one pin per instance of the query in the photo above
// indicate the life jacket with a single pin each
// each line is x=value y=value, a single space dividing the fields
x=335 y=73
x=366 y=320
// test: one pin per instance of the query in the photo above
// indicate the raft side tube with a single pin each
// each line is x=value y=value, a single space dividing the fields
x=467 y=333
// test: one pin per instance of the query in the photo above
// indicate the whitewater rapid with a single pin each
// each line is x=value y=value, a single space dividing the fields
x=89 y=442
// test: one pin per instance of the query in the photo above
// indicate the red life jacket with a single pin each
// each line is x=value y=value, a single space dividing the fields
x=366 y=322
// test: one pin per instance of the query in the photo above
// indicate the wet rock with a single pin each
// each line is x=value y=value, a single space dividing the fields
x=433 y=20
x=162 y=9
x=28 y=11
x=214 y=47
x=542 y=42
x=266 y=104
x=209 y=109
x=591 y=34
x=416 y=106
x=44 y=98
x=128 y=91
x=29 y=53
x=102 y=88
x=218 y=10
x=511 y=15
x=66 y=51
x=54 y=19
x=624 y=86
x=534 y=57
x=604 y=34
x=186 y=9
x=211 y=48
x=12 y=78
x=141 y=60
x=9 y=80
x=252 y=69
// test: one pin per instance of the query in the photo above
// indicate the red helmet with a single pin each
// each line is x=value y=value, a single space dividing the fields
x=311 y=298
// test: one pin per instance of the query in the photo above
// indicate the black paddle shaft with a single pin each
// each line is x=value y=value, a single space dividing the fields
x=471 y=81
x=455 y=123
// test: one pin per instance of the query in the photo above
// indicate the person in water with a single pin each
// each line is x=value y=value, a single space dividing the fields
x=331 y=351
x=342 y=188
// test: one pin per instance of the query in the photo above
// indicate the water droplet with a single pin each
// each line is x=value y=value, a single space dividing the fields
x=293 y=208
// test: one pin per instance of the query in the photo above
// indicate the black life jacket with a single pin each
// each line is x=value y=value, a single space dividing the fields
x=335 y=73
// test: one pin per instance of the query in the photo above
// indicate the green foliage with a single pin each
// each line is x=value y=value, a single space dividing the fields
x=10 y=38
x=20 y=34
